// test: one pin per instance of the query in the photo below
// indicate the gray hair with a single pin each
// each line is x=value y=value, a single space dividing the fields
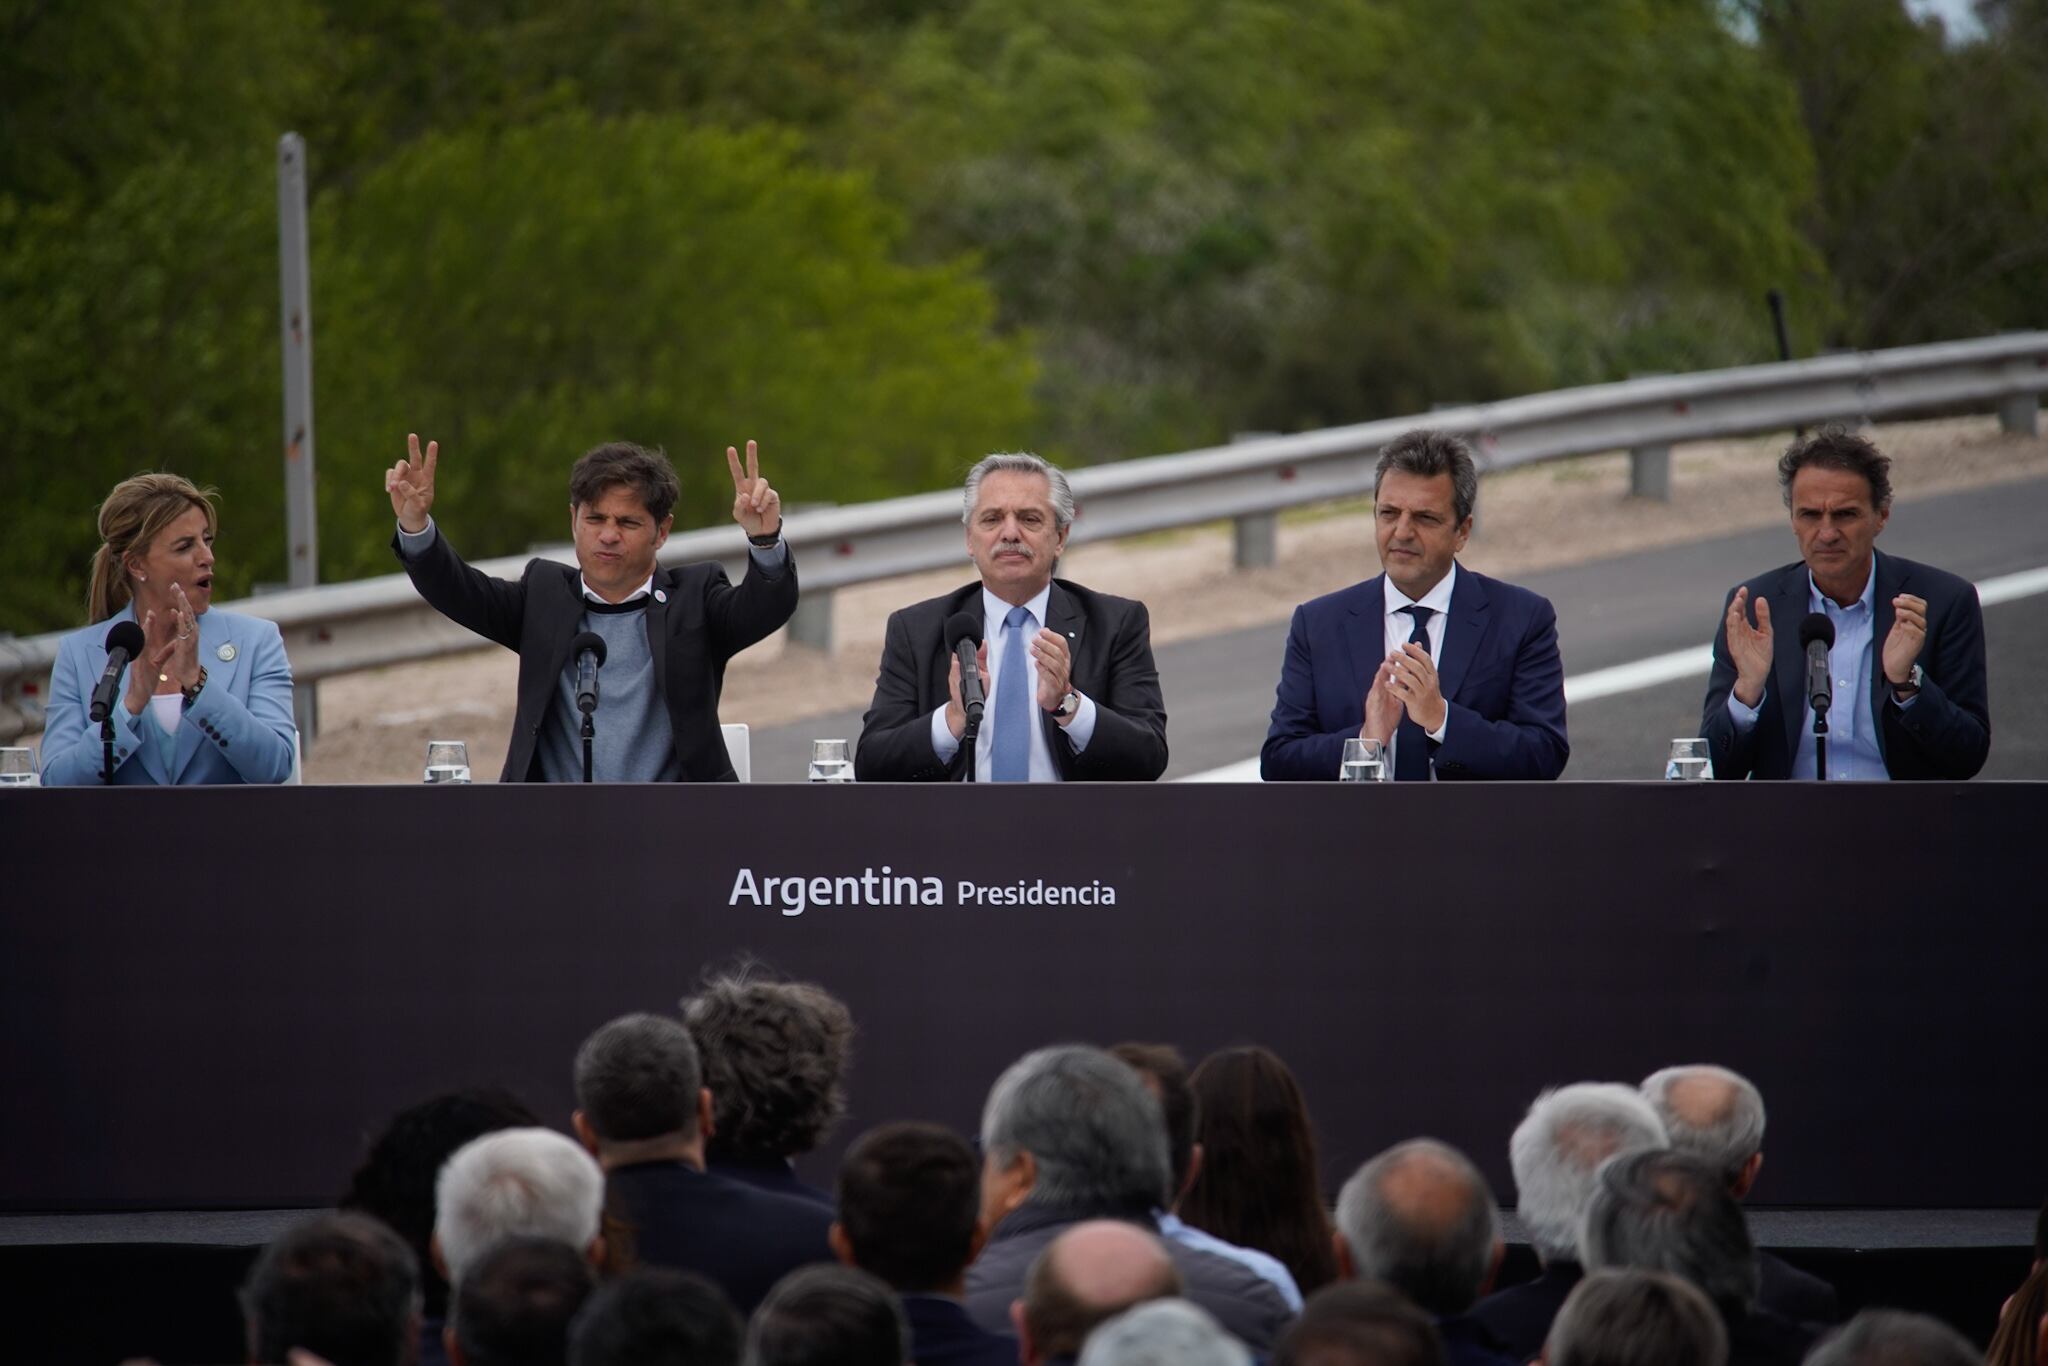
x=639 y=1077
x=1665 y=1211
x=1721 y=1122
x=1021 y=462
x=1091 y=1125
x=531 y=1182
x=1163 y=1333
x=1559 y=1146
x=1392 y=1215
x=1892 y=1337
x=1626 y=1317
x=1428 y=453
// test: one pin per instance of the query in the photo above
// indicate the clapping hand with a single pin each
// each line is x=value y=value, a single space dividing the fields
x=956 y=710
x=411 y=484
x=1382 y=708
x=755 y=506
x=1411 y=677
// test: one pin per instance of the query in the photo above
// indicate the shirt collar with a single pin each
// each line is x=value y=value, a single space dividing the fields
x=994 y=609
x=1438 y=599
x=1821 y=602
x=642 y=591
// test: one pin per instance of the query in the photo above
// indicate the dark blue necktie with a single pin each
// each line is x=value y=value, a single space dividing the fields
x=1411 y=744
x=1010 y=746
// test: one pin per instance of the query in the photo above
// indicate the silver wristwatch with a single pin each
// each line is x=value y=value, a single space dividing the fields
x=1069 y=705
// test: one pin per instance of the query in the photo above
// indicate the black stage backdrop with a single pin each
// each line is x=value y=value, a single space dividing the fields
x=213 y=997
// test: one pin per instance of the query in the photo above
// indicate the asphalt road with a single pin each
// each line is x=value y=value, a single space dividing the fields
x=1219 y=689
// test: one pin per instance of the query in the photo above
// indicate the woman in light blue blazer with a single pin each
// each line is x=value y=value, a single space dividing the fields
x=209 y=699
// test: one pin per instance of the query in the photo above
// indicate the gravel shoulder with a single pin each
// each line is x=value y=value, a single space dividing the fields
x=375 y=725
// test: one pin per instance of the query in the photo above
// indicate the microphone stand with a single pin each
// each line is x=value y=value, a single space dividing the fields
x=107 y=749
x=1820 y=743
x=968 y=735
x=588 y=731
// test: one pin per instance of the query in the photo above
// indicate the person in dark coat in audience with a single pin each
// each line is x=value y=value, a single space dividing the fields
x=1718 y=1116
x=1420 y=1218
x=1634 y=1317
x=340 y=1286
x=1360 y=1323
x=774 y=1055
x=643 y=1112
x=1555 y=1152
x=1667 y=1211
x=1071 y=1134
x=653 y=1316
x=514 y=1306
x=828 y=1316
x=910 y=1213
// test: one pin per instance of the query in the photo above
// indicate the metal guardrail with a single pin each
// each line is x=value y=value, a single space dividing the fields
x=342 y=628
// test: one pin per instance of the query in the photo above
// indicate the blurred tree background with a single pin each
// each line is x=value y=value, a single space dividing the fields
x=886 y=236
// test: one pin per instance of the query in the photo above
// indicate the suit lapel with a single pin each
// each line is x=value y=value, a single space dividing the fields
x=1063 y=616
x=1891 y=581
x=657 y=634
x=1789 y=606
x=1471 y=614
x=1365 y=631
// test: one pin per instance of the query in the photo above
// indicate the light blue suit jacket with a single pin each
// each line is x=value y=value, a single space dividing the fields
x=239 y=731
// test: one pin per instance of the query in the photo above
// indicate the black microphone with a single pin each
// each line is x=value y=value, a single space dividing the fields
x=124 y=642
x=963 y=636
x=589 y=651
x=1817 y=637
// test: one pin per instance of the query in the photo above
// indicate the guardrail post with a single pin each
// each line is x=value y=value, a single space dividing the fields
x=811 y=623
x=2020 y=415
x=295 y=309
x=1254 y=537
x=1649 y=473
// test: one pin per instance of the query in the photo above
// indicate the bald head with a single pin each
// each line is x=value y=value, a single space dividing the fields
x=1421 y=1218
x=1090 y=1273
x=1713 y=1114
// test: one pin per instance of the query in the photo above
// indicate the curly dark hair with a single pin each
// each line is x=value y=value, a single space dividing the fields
x=774 y=1056
x=622 y=464
x=1838 y=448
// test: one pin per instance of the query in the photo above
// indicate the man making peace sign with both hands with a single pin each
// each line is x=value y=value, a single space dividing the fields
x=668 y=632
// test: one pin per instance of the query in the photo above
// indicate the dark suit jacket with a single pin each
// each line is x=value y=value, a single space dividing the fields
x=772 y=1174
x=1945 y=734
x=696 y=622
x=1500 y=671
x=1468 y=1343
x=742 y=1238
x=941 y=1334
x=1520 y=1316
x=1110 y=640
x=1793 y=1294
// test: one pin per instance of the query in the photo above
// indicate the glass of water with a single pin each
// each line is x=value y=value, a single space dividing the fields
x=447 y=761
x=829 y=762
x=1365 y=761
x=1688 y=762
x=18 y=768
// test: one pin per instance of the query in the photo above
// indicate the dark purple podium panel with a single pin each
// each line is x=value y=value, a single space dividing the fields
x=212 y=997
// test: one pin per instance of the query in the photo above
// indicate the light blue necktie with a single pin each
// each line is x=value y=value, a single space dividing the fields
x=1011 y=745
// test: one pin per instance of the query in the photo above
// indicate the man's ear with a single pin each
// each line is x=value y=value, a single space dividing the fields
x=440 y=1261
x=1347 y=1270
x=1025 y=1352
x=586 y=1134
x=842 y=1246
x=1500 y=1250
x=597 y=1252
x=1746 y=1180
x=977 y=1242
x=661 y=532
x=1194 y=1172
x=706 y=1124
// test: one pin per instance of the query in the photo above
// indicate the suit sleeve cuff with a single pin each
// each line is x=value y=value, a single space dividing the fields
x=1436 y=737
x=1743 y=716
x=1081 y=729
x=770 y=560
x=944 y=744
x=413 y=544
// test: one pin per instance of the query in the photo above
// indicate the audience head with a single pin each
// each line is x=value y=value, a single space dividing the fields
x=773 y=1056
x=639 y=1086
x=655 y=1316
x=1636 y=1318
x=2022 y=1336
x=828 y=1316
x=1891 y=1337
x=1072 y=1129
x=1259 y=1182
x=1714 y=1114
x=1559 y=1146
x=910 y=1207
x=341 y=1286
x=395 y=1183
x=1165 y=1073
x=514 y=1305
x=1421 y=1218
x=1360 y=1323
x=515 y=1183
x=1163 y=1333
x=1089 y=1273
x=1665 y=1211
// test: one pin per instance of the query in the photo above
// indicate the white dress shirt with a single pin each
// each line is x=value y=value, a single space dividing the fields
x=1400 y=625
x=995 y=631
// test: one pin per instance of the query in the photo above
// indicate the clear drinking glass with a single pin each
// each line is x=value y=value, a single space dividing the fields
x=1688 y=762
x=18 y=768
x=1365 y=761
x=447 y=761
x=829 y=762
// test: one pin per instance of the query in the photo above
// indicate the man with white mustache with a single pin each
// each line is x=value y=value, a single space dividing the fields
x=1072 y=692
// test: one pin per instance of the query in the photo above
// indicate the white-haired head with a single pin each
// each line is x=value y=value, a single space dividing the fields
x=1712 y=1113
x=1558 y=1148
x=1163 y=1333
x=531 y=1182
